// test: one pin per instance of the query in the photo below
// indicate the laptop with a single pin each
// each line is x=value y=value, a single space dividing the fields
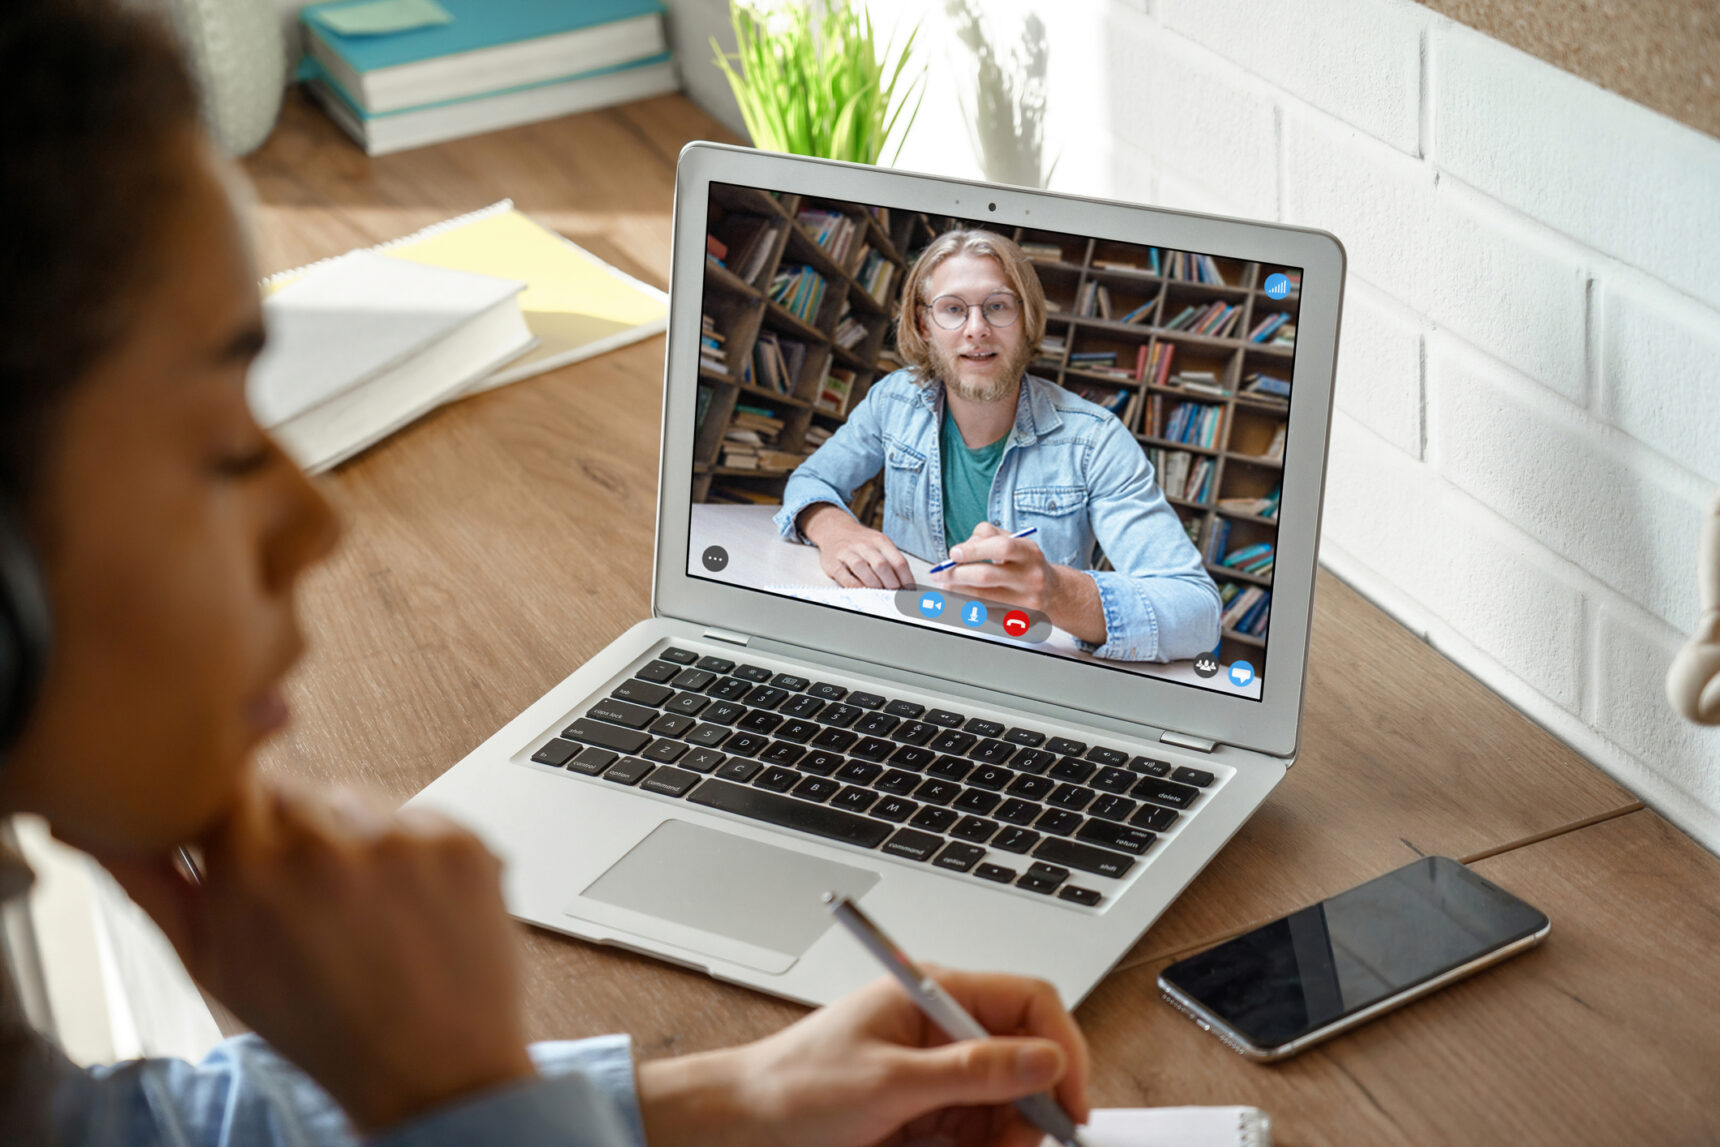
x=994 y=790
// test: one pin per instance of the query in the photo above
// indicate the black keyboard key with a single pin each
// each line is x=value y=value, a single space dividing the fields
x=816 y=788
x=913 y=844
x=622 y=713
x=766 y=697
x=1118 y=836
x=933 y=819
x=752 y=673
x=980 y=727
x=759 y=721
x=910 y=757
x=857 y=799
x=606 y=736
x=679 y=656
x=694 y=679
x=958 y=857
x=995 y=872
x=977 y=801
x=897 y=809
x=688 y=704
x=904 y=709
x=1027 y=737
x=664 y=752
x=739 y=769
x=866 y=700
x=1049 y=871
x=877 y=724
x=1034 y=883
x=702 y=760
x=1166 y=793
x=591 y=762
x=872 y=748
x=1071 y=797
x=746 y=744
x=790 y=682
x=945 y=718
x=1033 y=761
x=1064 y=747
x=671 y=725
x=799 y=732
x=1098 y=861
x=1109 y=757
x=1013 y=839
x=628 y=771
x=991 y=752
x=670 y=782
x=950 y=768
x=1071 y=769
x=1154 y=817
x=859 y=772
x=716 y=664
x=1079 y=895
x=825 y=691
x=934 y=791
x=990 y=777
x=835 y=739
x=776 y=779
x=801 y=707
x=1059 y=821
x=1112 y=807
x=1113 y=780
x=840 y=716
x=786 y=812
x=1031 y=787
x=1150 y=767
x=897 y=781
x=953 y=741
x=708 y=736
x=914 y=732
x=782 y=753
x=658 y=671
x=1199 y=778
x=642 y=692
x=558 y=752
x=725 y=712
x=821 y=761
x=1017 y=811
x=730 y=689
x=974 y=828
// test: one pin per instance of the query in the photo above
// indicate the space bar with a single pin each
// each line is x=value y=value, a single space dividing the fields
x=790 y=813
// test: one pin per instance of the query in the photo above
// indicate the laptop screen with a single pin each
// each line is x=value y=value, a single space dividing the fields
x=1054 y=441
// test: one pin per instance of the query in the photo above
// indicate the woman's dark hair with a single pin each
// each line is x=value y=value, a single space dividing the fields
x=92 y=92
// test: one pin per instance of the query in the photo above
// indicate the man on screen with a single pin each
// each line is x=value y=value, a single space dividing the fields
x=974 y=448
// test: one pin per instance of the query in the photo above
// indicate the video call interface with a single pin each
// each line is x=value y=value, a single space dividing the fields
x=1096 y=428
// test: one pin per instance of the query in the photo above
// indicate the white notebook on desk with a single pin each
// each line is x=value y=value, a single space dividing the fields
x=1177 y=1127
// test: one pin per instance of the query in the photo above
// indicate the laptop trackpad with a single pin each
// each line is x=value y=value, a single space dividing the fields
x=687 y=876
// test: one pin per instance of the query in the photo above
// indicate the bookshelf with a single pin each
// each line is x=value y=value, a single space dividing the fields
x=1161 y=338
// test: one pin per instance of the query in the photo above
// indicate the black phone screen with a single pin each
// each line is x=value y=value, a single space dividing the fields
x=1313 y=967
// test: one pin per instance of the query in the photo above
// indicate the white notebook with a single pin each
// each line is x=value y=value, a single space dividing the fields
x=363 y=344
x=1177 y=1127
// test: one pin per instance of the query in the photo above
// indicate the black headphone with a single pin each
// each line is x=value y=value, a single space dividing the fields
x=24 y=628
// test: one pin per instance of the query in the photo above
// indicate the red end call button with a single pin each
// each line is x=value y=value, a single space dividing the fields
x=1016 y=623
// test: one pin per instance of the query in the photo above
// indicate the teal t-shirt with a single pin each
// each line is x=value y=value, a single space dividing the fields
x=967 y=478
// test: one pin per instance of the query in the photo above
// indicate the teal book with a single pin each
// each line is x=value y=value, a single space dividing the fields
x=472 y=48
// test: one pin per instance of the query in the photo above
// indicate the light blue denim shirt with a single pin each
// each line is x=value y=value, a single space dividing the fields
x=1070 y=468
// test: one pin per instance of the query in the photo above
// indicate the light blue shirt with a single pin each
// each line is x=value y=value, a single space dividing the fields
x=1070 y=468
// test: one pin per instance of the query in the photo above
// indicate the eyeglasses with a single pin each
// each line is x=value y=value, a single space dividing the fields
x=1000 y=309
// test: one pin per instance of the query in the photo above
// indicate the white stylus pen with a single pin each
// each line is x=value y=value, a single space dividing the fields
x=929 y=996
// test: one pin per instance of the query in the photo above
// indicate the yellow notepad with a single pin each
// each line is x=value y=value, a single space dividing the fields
x=576 y=304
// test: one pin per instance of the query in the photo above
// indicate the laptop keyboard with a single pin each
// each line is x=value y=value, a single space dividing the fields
x=1002 y=803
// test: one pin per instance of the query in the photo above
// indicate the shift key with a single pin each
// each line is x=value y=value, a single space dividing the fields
x=606 y=736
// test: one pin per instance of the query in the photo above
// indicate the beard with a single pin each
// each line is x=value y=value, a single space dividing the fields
x=946 y=366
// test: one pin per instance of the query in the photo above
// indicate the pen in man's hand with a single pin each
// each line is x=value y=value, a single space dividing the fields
x=952 y=563
x=940 y=1007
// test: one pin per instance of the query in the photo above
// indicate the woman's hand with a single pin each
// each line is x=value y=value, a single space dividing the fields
x=370 y=947
x=871 y=1071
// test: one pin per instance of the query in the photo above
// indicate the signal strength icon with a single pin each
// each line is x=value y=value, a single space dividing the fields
x=1277 y=286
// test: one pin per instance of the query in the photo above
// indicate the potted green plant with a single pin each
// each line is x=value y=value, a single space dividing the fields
x=812 y=80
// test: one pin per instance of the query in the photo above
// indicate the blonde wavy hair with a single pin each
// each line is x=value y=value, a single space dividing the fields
x=1017 y=271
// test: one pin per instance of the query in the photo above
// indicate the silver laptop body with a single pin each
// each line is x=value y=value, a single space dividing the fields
x=739 y=898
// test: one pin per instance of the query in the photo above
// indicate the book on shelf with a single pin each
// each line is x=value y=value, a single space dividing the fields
x=1116 y=401
x=1285 y=335
x=1193 y=268
x=1102 y=299
x=834 y=393
x=1266 y=507
x=749 y=241
x=799 y=290
x=1042 y=252
x=1141 y=313
x=1255 y=559
x=875 y=275
x=831 y=230
x=712 y=356
x=1259 y=385
x=1246 y=611
x=1194 y=424
x=741 y=495
x=1216 y=539
x=1267 y=326
x=1275 y=448
x=716 y=248
x=1154 y=364
x=1182 y=475
x=1053 y=346
x=1117 y=264
x=850 y=332
x=777 y=362
x=702 y=408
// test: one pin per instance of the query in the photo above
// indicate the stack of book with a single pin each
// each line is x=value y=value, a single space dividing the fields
x=398 y=76
x=1266 y=388
x=1194 y=424
x=1245 y=610
x=1266 y=507
x=750 y=441
x=1255 y=559
x=831 y=230
x=777 y=362
x=1199 y=382
x=712 y=356
x=799 y=290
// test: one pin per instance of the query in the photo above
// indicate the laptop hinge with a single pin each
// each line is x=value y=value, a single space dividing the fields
x=1184 y=741
x=728 y=636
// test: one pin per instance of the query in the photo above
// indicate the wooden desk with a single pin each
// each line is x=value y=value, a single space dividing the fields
x=494 y=546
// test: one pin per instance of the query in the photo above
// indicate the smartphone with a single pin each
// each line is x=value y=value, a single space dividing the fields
x=1287 y=985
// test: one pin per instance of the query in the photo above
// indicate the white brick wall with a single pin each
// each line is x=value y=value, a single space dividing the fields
x=1529 y=381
